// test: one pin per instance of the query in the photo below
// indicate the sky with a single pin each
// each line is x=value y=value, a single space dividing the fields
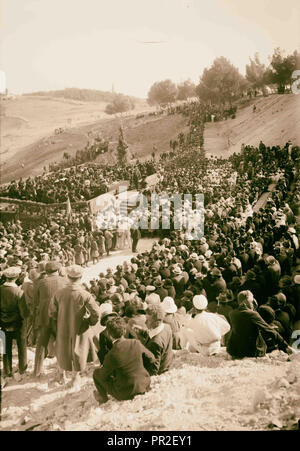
x=94 y=44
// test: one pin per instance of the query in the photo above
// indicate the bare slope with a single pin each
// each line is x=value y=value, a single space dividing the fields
x=275 y=121
x=141 y=134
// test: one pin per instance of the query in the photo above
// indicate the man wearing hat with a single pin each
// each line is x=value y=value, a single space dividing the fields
x=73 y=310
x=135 y=236
x=160 y=290
x=13 y=311
x=272 y=275
x=204 y=332
x=217 y=285
x=43 y=294
x=151 y=297
x=105 y=341
x=171 y=318
x=178 y=281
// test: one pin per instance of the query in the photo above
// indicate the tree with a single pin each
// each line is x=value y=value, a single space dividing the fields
x=255 y=73
x=122 y=148
x=221 y=83
x=281 y=69
x=120 y=104
x=162 y=92
x=185 y=90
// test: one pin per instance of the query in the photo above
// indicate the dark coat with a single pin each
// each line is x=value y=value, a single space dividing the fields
x=13 y=307
x=43 y=294
x=73 y=310
x=161 y=347
x=245 y=326
x=105 y=345
x=124 y=370
x=179 y=285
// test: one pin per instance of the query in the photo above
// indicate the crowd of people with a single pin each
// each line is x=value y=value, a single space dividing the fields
x=235 y=290
x=77 y=183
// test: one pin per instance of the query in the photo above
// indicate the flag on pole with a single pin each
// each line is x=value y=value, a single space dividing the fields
x=69 y=210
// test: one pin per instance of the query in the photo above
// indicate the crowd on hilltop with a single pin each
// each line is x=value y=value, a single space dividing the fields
x=235 y=287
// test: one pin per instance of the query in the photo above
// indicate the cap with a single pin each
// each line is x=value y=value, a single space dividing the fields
x=52 y=266
x=74 y=271
x=12 y=272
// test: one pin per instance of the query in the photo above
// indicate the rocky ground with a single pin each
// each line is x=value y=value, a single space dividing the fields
x=199 y=393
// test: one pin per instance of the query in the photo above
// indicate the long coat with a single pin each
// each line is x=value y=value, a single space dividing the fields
x=43 y=293
x=73 y=310
x=79 y=254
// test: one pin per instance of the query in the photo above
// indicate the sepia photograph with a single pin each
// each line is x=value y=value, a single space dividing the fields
x=149 y=218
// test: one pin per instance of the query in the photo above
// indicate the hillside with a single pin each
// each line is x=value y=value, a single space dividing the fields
x=86 y=95
x=29 y=142
x=141 y=134
x=275 y=121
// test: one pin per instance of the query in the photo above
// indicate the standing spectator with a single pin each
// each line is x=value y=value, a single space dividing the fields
x=43 y=294
x=13 y=312
x=73 y=310
x=108 y=236
x=135 y=235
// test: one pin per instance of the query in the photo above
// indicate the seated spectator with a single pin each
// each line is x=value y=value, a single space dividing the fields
x=123 y=374
x=158 y=340
x=204 y=332
x=105 y=342
x=171 y=318
x=246 y=323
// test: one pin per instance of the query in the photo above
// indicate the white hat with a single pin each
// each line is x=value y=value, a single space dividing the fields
x=200 y=302
x=153 y=298
x=292 y=230
x=194 y=256
x=105 y=309
x=169 y=305
x=177 y=270
x=150 y=288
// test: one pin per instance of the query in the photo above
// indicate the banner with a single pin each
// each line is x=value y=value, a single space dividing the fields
x=102 y=203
